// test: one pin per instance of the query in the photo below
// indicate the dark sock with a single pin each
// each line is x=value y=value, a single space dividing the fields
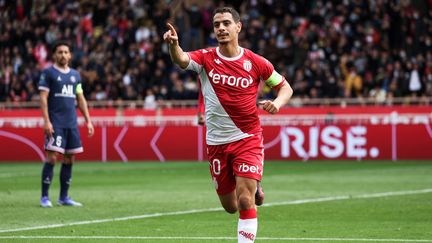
x=47 y=175
x=65 y=179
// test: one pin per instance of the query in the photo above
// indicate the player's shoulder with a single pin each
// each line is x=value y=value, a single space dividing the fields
x=49 y=69
x=74 y=71
x=207 y=51
x=254 y=56
x=47 y=72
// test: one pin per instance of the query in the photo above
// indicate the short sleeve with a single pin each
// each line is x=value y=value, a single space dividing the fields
x=275 y=80
x=44 y=81
x=272 y=78
x=79 y=89
x=196 y=60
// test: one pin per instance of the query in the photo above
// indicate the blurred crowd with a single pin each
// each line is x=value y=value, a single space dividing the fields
x=325 y=49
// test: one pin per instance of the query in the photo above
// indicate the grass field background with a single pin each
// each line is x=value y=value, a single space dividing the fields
x=176 y=202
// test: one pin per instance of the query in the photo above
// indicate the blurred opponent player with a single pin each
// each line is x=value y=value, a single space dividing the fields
x=230 y=76
x=59 y=87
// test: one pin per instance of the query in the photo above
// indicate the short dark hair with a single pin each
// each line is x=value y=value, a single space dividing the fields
x=232 y=11
x=60 y=43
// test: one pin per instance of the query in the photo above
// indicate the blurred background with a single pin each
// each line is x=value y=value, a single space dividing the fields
x=386 y=46
x=342 y=58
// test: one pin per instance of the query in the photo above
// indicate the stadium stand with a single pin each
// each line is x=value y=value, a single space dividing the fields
x=332 y=52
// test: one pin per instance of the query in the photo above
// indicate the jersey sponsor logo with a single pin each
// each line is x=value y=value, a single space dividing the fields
x=247 y=235
x=223 y=79
x=244 y=168
x=247 y=65
x=217 y=61
x=67 y=91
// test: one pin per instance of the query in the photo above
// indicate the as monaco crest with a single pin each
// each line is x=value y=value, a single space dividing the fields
x=247 y=65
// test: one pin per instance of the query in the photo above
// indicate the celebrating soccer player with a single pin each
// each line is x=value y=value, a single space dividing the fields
x=230 y=76
x=59 y=87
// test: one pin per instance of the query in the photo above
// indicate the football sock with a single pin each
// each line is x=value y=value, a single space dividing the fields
x=47 y=175
x=65 y=179
x=247 y=226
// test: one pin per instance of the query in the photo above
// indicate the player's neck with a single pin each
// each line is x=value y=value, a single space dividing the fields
x=229 y=50
x=62 y=68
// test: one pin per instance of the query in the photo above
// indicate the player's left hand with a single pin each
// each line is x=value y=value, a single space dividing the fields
x=90 y=129
x=269 y=106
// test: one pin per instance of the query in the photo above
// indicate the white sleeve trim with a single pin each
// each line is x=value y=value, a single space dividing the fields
x=194 y=66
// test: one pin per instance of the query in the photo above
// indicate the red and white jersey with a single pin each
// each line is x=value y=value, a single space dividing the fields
x=229 y=87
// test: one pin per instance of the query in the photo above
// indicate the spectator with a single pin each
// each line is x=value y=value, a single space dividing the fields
x=305 y=39
x=353 y=81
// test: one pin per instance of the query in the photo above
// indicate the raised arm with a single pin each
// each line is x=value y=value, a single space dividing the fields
x=178 y=56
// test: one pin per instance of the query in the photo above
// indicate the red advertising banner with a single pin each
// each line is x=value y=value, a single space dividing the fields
x=366 y=133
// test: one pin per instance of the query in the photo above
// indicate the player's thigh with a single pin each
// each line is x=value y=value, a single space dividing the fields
x=221 y=169
x=56 y=142
x=248 y=157
x=73 y=141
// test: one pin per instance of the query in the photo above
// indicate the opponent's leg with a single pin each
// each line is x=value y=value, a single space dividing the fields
x=65 y=181
x=66 y=175
x=47 y=175
x=248 y=222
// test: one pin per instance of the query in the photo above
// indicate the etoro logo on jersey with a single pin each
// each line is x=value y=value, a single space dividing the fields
x=223 y=79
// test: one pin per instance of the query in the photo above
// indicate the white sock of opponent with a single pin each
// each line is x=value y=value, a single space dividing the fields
x=247 y=226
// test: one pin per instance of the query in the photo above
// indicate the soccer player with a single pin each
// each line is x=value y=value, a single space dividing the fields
x=229 y=76
x=59 y=87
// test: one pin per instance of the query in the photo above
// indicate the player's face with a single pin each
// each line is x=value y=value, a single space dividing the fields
x=225 y=28
x=62 y=55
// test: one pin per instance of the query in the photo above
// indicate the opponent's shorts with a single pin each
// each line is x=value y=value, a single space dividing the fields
x=244 y=158
x=65 y=141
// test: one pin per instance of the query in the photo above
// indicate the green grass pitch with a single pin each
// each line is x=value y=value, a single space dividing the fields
x=324 y=201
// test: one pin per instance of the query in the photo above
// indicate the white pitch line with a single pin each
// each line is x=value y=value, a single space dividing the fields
x=155 y=215
x=335 y=198
x=210 y=238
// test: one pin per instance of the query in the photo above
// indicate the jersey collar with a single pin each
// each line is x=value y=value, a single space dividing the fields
x=61 y=70
x=230 y=58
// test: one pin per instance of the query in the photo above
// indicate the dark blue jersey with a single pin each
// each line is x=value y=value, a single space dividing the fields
x=62 y=88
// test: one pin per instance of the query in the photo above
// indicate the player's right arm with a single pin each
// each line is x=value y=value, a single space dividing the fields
x=178 y=56
x=47 y=127
x=44 y=88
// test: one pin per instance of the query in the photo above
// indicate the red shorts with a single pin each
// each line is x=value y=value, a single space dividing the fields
x=244 y=158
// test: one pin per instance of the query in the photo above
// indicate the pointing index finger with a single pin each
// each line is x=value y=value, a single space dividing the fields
x=170 y=27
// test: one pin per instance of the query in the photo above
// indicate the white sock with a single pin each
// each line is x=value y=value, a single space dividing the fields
x=247 y=226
